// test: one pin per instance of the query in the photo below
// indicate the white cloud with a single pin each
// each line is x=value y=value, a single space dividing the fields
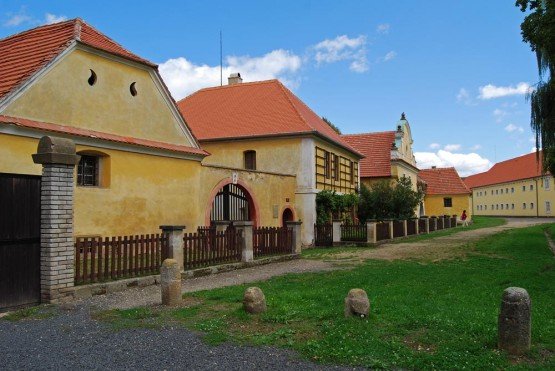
x=435 y=146
x=475 y=147
x=15 y=19
x=499 y=114
x=343 y=48
x=389 y=56
x=183 y=77
x=383 y=28
x=464 y=97
x=491 y=91
x=452 y=147
x=52 y=18
x=466 y=164
x=512 y=128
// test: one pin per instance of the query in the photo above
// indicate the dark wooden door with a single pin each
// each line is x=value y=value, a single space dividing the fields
x=19 y=240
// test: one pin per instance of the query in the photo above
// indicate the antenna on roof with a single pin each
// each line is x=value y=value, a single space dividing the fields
x=221 y=68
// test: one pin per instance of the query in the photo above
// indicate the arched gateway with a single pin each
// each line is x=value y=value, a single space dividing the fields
x=232 y=202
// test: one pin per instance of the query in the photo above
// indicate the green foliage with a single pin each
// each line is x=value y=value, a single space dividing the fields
x=538 y=29
x=332 y=125
x=384 y=201
x=330 y=203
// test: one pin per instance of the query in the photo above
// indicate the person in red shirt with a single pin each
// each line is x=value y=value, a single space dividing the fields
x=463 y=218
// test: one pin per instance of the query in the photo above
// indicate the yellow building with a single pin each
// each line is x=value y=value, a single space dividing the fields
x=263 y=127
x=515 y=187
x=446 y=193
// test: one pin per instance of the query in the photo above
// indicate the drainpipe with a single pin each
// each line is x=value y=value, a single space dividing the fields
x=537 y=200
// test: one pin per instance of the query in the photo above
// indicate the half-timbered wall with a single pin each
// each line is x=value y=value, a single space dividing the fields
x=335 y=172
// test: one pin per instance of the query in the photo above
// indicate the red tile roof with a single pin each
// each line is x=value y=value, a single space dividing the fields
x=518 y=168
x=443 y=181
x=377 y=149
x=55 y=128
x=25 y=53
x=262 y=108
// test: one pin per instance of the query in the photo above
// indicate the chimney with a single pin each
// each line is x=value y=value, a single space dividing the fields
x=434 y=167
x=234 y=78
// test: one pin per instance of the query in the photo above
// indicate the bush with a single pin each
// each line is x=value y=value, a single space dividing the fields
x=330 y=203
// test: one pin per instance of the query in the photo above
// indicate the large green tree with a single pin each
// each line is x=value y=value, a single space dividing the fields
x=538 y=29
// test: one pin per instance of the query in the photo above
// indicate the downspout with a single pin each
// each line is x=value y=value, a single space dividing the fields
x=537 y=200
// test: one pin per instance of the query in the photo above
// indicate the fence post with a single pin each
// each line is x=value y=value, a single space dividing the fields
x=175 y=243
x=433 y=220
x=247 y=253
x=221 y=225
x=371 y=231
x=297 y=244
x=447 y=221
x=390 y=228
x=427 y=225
x=416 y=226
x=405 y=228
x=336 y=232
x=57 y=251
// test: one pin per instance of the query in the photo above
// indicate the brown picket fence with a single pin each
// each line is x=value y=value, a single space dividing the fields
x=453 y=221
x=432 y=224
x=353 y=232
x=101 y=259
x=398 y=228
x=422 y=225
x=411 y=226
x=272 y=241
x=382 y=231
x=208 y=247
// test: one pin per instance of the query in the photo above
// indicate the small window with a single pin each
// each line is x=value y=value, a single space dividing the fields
x=512 y=189
x=496 y=191
x=485 y=207
x=524 y=205
x=496 y=206
x=133 y=89
x=507 y=206
x=501 y=190
x=524 y=188
x=506 y=190
x=92 y=78
x=547 y=206
x=531 y=187
x=492 y=206
x=447 y=202
x=546 y=183
x=250 y=160
x=531 y=205
x=87 y=171
x=512 y=206
x=501 y=206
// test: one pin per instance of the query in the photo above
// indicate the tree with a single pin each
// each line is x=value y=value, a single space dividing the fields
x=332 y=125
x=329 y=203
x=538 y=29
x=384 y=201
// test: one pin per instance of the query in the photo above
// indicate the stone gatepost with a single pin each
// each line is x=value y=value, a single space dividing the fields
x=390 y=228
x=297 y=244
x=57 y=251
x=405 y=228
x=514 y=322
x=247 y=253
x=426 y=225
x=371 y=231
x=175 y=243
x=170 y=282
x=221 y=225
x=416 y=226
x=336 y=232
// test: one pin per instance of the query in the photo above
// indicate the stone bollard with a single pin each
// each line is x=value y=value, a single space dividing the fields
x=170 y=280
x=254 y=301
x=357 y=304
x=371 y=231
x=245 y=228
x=297 y=245
x=514 y=323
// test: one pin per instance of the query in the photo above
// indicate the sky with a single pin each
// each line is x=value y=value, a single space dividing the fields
x=457 y=68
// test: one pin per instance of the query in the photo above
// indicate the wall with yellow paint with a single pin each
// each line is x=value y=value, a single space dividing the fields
x=328 y=183
x=63 y=96
x=434 y=205
x=399 y=170
x=529 y=197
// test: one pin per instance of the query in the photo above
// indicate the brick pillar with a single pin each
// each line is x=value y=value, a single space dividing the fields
x=175 y=243
x=57 y=254
x=297 y=244
x=247 y=253
x=336 y=232
x=371 y=231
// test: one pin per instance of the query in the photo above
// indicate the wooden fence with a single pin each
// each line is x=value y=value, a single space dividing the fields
x=398 y=228
x=382 y=231
x=411 y=226
x=323 y=234
x=353 y=232
x=101 y=259
x=432 y=224
x=208 y=247
x=272 y=241
x=422 y=225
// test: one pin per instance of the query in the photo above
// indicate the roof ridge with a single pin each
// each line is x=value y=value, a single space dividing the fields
x=227 y=86
x=282 y=87
x=369 y=133
x=77 y=29
x=37 y=27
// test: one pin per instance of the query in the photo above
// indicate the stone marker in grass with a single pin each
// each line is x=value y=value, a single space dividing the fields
x=254 y=300
x=514 y=324
x=357 y=304
x=170 y=281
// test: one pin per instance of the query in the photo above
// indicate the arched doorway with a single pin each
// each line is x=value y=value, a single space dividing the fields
x=232 y=202
x=287 y=216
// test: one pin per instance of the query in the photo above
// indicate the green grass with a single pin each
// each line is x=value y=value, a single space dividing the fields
x=30 y=313
x=439 y=315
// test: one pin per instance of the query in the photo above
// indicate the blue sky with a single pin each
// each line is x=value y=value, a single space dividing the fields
x=459 y=69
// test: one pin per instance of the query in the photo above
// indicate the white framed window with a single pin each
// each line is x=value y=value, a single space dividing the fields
x=547 y=207
x=485 y=207
x=546 y=183
x=512 y=189
x=531 y=205
x=501 y=206
x=531 y=187
x=506 y=190
x=524 y=205
x=512 y=206
x=523 y=188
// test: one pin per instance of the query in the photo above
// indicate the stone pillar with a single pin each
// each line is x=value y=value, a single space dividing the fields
x=427 y=227
x=416 y=226
x=405 y=228
x=221 y=225
x=297 y=244
x=514 y=323
x=175 y=243
x=247 y=253
x=336 y=232
x=390 y=228
x=433 y=220
x=371 y=231
x=170 y=282
x=447 y=221
x=57 y=251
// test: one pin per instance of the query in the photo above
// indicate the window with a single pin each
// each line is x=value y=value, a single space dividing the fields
x=496 y=206
x=523 y=188
x=250 y=160
x=547 y=207
x=92 y=79
x=546 y=184
x=335 y=167
x=133 y=89
x=531 y=187
x=327 y=165
x=501 y=190
x=507 y=206
x=496 y=191
x=492 y=206
x=512 y=206
x=485 y=207
x=87 y=171
x=447 y=202
x=506 y=190
x=501 y=206
x=524 y=205
x=531 y=205
x=512 y=189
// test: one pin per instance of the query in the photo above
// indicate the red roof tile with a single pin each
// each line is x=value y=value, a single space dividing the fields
x=377 y=149
x=523 y=167
x=55 y=128
x=262 y=108
x=25 y=53
x=443 y=181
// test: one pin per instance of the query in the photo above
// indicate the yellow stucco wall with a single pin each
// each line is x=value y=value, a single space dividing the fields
x=433 y=205
x=508 y=199
x=398 y=171
x=63 y=96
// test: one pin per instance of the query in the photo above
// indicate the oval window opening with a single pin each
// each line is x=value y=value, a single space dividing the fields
x=92 y=79
x=133 y=89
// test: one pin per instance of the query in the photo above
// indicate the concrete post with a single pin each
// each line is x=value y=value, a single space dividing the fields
x=175 y=243
x=514 y=323
x=447 y=221
x=247 y=253
x=405 y=228
x=336 y=232
x=416 y=226
x=433 y=221
x=427 y=226
x=371 y=231
x=221 y=225
x=57 y=251
x=297 y=244
x=390 y=228
x=170 y=282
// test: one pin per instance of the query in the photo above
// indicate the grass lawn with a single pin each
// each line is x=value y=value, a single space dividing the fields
x=424 y=315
